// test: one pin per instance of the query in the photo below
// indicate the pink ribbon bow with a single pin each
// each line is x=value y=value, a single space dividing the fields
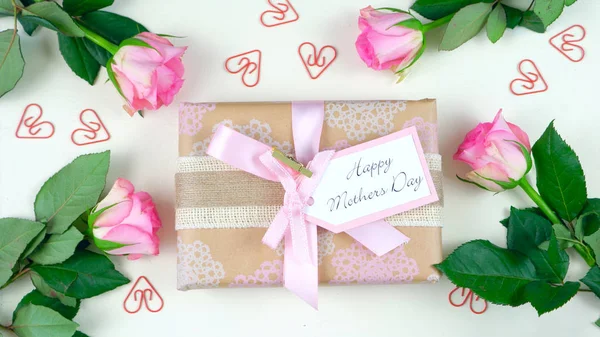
x=300 y=271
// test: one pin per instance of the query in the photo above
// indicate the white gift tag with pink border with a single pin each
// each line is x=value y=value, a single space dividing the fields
x=371 y=181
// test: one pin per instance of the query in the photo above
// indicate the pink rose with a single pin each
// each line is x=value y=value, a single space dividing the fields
x=383 y=45
x=148 y=77
x=129 y=223
x=494 y=152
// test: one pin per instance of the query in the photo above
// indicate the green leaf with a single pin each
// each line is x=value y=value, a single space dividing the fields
x=135 y=42
x=587 y=225
x=53 y=13
x=570 y=2
x=465 y=24
x=560 y=178
x=84 y=275
x=496 y=24
x=113 y=27
x=78 y=58
x=436 y=9
x=548 y=10
x=563 y=236
x=534 y=210
x=545 y=297
x=71 y=191
x=100 y=54
x=37 y=298
x=558 y=260
x=391 y=9
x=112 y=78
x=11 y=60
x=16 y=234
x=513 y=16
x=592 y=280
x=526 y=231
x=6 y=7
x=105 y=245
x=29 y=26
x=31 y=246
x=58 y=248
x=80 y=7
x=594 y=242
x=495 y=274
x=79 y=334
x=38 y=321
x=411 y=24
x=45 y=289
x=532 y=22
x=592 y=206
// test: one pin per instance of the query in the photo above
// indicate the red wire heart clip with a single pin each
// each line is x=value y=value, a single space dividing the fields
x=565 y=43
x=315 y=62
x=30 y=126
x=532 y=81
x=283 y=12
x=143 y=294
x=249 y=64
x=467 y=295
x=94 y=132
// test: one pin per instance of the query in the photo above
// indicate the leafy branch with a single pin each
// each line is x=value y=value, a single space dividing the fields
x=54 y=254
x=533 y=267
x=468 y=17
x=88 y=36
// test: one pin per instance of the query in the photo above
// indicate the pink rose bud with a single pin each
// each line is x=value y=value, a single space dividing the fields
x=125 y=223
x=383 y=44
x=148 y=78
x=498 y=153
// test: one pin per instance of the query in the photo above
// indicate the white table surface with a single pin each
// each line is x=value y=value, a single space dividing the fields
x=471 y=84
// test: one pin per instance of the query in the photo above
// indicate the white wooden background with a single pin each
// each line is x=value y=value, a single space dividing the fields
x=471 y=84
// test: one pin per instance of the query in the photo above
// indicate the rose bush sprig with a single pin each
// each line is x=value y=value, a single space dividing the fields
x=533 y=267
x=53 y=249
x=145 y=68
x=394 y=39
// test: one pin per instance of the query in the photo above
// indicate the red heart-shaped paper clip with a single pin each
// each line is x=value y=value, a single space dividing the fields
x=565 y=43
x=94 y=130
x=30 y=126
x=477 y=305
x=143 y=293
x=282 y=12
x=249 y=64
x=532 y=81
x=315 y=62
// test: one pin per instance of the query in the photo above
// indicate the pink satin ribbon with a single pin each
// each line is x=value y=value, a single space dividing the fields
x=300 y=268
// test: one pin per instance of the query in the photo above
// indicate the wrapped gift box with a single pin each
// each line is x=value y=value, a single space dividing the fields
x=222 y=213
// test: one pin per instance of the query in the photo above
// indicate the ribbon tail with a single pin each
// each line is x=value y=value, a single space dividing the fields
x=276 y=230
x=302 y=277
x=379 y=237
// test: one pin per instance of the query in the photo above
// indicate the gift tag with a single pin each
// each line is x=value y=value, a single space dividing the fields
x=371 y=181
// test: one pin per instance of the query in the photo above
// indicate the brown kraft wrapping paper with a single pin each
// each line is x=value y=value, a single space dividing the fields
x=222 y=213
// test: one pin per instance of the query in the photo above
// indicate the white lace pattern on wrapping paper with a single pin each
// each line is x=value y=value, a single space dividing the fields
x=339 y=145
x=190 y=117
x=256 y=129
x=433 y=278
x=427 y=133
x=270 y=273
x=357 y=264
x=360 y=118
x=324 y=242
x=196 y=267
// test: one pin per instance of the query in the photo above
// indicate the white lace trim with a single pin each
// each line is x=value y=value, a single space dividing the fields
x=210 y=164
x=262 y=216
